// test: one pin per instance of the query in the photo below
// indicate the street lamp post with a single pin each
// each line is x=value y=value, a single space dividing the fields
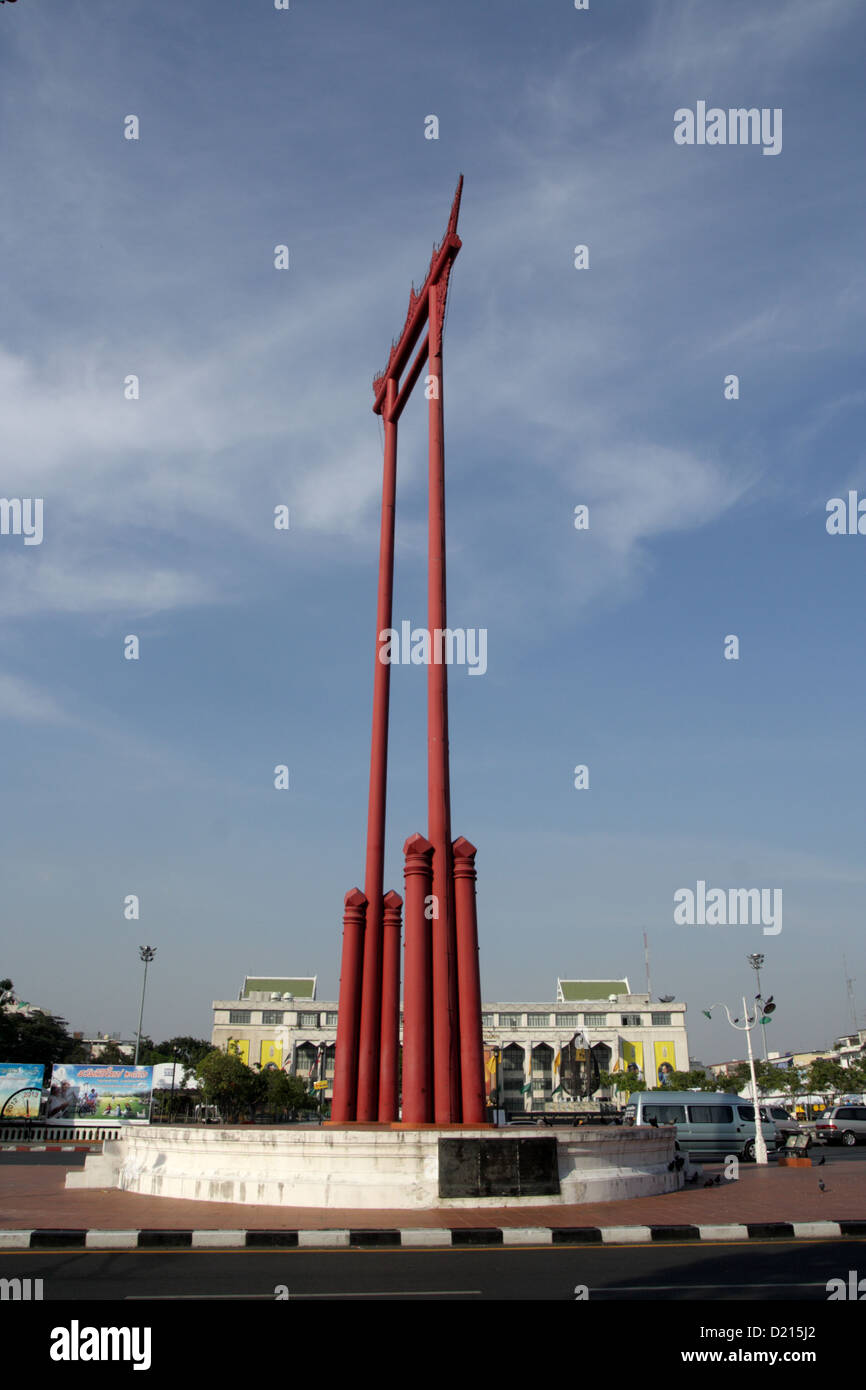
x=146 y=953
x=756 y=960
x=746 y=1027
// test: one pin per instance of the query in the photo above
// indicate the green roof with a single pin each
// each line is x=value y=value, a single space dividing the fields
x=590 y=989
x=279 y=984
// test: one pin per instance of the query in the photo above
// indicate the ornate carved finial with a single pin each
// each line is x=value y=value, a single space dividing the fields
x=416 y=295
x=455 y=209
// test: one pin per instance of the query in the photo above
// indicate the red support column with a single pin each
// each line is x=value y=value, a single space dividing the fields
x=389 y=1053
x=446 y=1048
x=371 y=1000
x=468 y=984
x=348 y=1017
x=417 y=996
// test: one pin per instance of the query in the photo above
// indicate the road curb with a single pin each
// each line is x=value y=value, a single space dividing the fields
x=49 y=1148
x=458 y=1237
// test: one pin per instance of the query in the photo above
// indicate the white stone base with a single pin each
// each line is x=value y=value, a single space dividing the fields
x=364 y=1168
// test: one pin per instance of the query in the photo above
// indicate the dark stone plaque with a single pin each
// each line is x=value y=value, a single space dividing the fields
x=503 y=1167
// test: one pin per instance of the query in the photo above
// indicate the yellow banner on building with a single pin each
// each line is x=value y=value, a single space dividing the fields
x=666 y=1062
x=632 y=1056
x=271 y=1053
x=491 y=1063
x=241 y=1048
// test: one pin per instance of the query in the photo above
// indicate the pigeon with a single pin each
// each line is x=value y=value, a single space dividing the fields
x=718 y=1179
x=822 y=1185
x=821 y=1161
x=709 y=1183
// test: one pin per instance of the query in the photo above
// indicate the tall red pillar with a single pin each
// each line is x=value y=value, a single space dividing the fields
x=417 y=995
x=446 y=1052
x=389 y=1051
x=468 y=984
x=371 y=998
x=349 y=1016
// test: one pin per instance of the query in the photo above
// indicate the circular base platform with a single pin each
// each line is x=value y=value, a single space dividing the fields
x=388 y=1169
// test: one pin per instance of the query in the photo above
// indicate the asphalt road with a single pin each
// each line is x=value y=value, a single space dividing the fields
x=763 y=1271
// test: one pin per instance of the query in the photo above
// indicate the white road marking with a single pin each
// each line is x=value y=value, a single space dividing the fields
x=294 y=1298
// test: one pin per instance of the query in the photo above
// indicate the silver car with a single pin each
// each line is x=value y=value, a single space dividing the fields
x=842 y=1124
x=783 y=1120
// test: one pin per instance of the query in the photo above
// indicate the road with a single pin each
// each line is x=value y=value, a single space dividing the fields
x=755 y=1270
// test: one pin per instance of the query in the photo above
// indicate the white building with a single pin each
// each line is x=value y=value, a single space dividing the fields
x=278 y=1021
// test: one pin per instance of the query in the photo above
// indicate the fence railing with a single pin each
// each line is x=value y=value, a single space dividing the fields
x=52 y=1134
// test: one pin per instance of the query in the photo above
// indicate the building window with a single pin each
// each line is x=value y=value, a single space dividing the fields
x=308 y=1020
x=487 y=1020
x=509 y=1020
x=567 y=1020
x=594 y=1020
x=512 y=1065
x=631 y=1021
x=242 y=1016
x=538 y=1020
x=330 y=1020
x=271 y=1016
x=661 y=1020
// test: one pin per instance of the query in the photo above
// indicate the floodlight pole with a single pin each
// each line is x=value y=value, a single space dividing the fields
x=146 y=953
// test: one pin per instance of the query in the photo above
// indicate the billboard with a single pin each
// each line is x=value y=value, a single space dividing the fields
x=665 y=1062
x=88 y=1091
x=20 y=1090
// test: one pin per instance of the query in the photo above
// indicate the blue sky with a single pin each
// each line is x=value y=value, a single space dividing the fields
x=602 y=386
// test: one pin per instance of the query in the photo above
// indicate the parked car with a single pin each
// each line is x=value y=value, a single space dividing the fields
x=783 y=1120
x=842 y=1124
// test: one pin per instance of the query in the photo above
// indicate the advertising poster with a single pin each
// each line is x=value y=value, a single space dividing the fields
x=241 y=1048
x=632 y=1056
x=88 y=1091
x=665 y=1062
x=20 y=1090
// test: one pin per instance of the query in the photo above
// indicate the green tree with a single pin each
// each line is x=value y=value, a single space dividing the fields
x=35 y=1037
x=793 y=1086
x=691 y=1081
x=227 y=1083
x=281 y=1092
x=626 y=1081
x=735 y=1081
x=856 y=1074
x=772 y=1080
x=826 y=1078
x=185 y=1050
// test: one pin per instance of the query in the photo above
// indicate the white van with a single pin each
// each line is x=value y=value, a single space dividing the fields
x=710 y=1124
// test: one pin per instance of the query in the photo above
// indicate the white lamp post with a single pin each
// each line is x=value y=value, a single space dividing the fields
x=760 y=1143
